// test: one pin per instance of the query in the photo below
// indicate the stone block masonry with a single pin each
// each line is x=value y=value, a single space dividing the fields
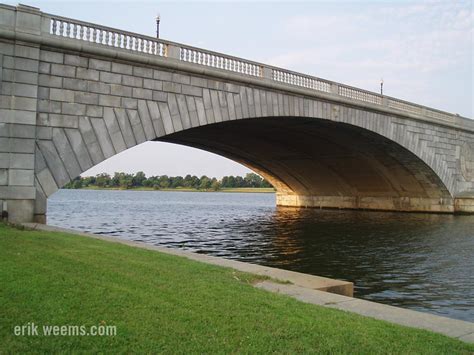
x=68 y=104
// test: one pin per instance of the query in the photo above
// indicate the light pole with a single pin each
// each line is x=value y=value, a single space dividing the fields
x=381 y=87
x=158 y=26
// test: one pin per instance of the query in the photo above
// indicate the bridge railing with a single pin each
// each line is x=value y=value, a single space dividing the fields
x=146 y=45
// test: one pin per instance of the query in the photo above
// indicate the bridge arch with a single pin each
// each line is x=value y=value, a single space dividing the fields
x=76 y=93
x=339 y=160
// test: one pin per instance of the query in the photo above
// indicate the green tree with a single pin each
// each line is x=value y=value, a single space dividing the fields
x=139 y=178
x=102 y=180
x=205 y=183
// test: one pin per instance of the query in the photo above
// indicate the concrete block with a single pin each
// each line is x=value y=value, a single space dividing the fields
x=160 y=96
x=143 y=72
x=108 y=100
x=23 y=103
x=88 y=74
x=99 y=88
x=64 y=149
x=44 y=132
x=99 y=64
x=86 y=98
x=129 y=103
x=22 y=145
x=51 y=57
x=57 y=120
x=137 y=127
x=142 y=93
x=152 y=84
x=166 y=117
x=216 y=106
x=17 y=116
x=103 y=137
x=47 y=182
x=4 y=160
x=75 y=84
x=22 y=161
x=3 y=177
x=19 y=177
x=79 y=148
x=50 y=81
x=162 y=75
x=90 y=139
x=76 y=60
x=26 y=77
x=132 y=81
x=73 y=109
x=125 y=126
x=114 y=130
x=11 y=193
x=30 y=52
x=120 y=90
x=20 y=131
x=144 y=115
x=61 y=95
x=201 y=112
x=155 y=116
x=22 y=210
x=181 y=79
x=94 y=111
x=26 y=64
x=26 y=90
x=171 y=87
x=191 y=90
x=122 y=68
x=43 y=93
x=200 y=82
x=63 y=70
x=110 y=78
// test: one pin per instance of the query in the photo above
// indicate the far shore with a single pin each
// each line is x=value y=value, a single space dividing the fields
x=184 y=189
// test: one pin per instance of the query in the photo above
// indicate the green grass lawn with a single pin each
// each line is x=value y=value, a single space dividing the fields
x=164 y=303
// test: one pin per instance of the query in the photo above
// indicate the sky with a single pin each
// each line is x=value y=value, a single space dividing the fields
x=423 y=50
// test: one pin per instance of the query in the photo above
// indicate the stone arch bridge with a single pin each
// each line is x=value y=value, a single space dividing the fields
x=74 y=94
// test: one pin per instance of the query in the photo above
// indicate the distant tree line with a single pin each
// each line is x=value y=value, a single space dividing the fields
x=129 y=181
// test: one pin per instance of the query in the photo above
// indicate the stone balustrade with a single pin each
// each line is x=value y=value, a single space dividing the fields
x=123 y=40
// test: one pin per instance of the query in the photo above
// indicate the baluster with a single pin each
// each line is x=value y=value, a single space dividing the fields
x=53 y=26
x=127 y=42
x=68 y=29
x=145 y=46
x=61 y=28
x=100 y=35
x=74 y=31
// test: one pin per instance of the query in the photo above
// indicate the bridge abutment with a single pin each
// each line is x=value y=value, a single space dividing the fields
x=396 y=204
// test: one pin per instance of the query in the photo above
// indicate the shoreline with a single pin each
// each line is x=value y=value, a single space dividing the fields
x=312 y=289
x=229 y=190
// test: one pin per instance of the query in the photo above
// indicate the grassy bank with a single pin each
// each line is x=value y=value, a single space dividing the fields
x=185 y=189
x=163 y=303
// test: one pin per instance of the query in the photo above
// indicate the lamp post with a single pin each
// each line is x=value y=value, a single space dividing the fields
x=381 y=86
x=158 y=26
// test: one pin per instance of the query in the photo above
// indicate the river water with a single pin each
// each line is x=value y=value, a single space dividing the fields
x=423 y=262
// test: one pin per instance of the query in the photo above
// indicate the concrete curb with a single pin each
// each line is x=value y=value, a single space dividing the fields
x=309 y=289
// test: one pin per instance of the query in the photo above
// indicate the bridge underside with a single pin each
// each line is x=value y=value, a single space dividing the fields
x=323 y=164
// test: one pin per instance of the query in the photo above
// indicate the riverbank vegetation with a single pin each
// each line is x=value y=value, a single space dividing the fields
x=139 y=180
x=166 y=304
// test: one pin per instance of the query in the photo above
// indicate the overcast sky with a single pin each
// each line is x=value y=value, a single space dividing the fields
x=423 y=50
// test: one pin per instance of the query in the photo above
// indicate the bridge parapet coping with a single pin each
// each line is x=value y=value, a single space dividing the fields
x=120 y=40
